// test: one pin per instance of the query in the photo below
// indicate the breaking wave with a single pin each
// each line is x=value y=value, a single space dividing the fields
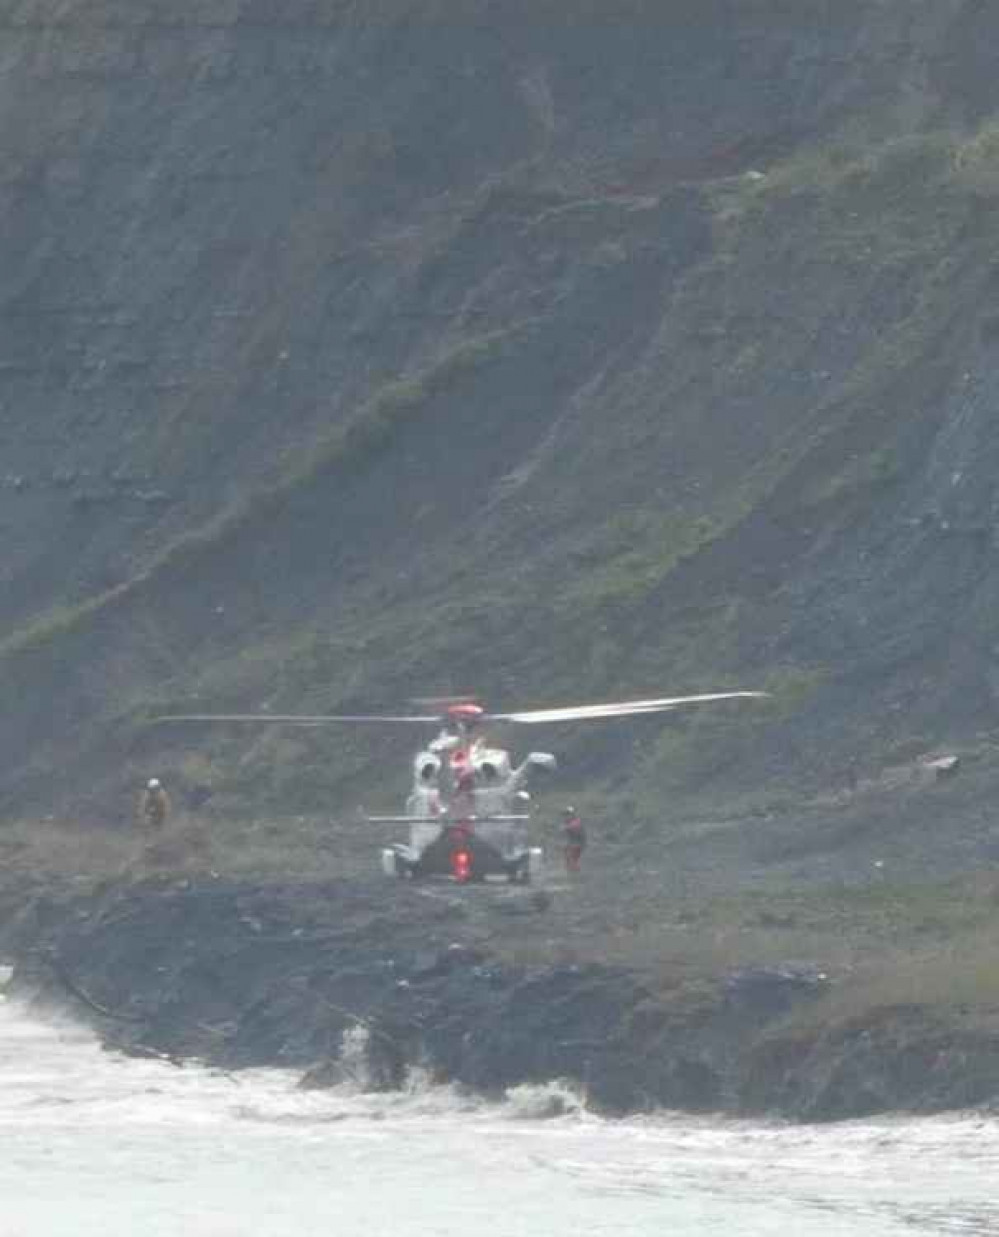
x=143 y=1145
x=544 y=1101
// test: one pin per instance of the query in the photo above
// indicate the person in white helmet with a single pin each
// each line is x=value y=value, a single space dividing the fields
x=154 y=806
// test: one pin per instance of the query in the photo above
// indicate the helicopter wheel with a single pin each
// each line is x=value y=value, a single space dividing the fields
x=393 y=866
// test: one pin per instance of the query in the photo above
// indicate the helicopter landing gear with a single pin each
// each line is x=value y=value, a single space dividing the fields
x=529 y=868
x=393 y=864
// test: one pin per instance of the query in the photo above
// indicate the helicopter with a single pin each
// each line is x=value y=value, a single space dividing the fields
x=468 y=809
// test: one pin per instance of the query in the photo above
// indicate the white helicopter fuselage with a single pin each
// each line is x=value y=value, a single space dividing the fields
x=468 y=806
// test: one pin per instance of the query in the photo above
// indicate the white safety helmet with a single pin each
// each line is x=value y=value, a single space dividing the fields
x=153 y=783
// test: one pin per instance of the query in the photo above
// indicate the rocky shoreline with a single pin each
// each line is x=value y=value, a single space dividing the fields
x=241 y=974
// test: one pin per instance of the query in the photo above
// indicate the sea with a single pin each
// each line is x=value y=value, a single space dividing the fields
x=94 y=1143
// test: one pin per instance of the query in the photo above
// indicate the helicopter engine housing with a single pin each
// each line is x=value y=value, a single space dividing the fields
x=425 y=796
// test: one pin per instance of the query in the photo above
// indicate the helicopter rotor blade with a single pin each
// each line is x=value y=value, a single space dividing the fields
x=530 y=717
x=443 y=702
x=625 y=708
x=296 y=719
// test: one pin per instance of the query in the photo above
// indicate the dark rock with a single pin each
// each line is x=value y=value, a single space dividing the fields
x=773 y=990
x=242 y=975
x=944 y=767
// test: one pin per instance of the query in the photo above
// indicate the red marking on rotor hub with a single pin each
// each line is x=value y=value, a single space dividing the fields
x=465 y=712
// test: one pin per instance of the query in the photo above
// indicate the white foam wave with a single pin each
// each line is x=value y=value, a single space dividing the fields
x=846 y=1179
x=545 y=1101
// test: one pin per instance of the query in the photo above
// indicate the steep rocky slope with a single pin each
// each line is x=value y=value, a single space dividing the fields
x=354 y=351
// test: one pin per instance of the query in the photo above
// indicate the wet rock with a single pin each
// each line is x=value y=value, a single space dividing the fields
x=943 y=767
x=153 y=498
x=84 y=499
x=308 y=976
x=773 y=990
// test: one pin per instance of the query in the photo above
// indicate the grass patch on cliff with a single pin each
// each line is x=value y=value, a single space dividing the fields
x=304 y=847
x=976 y=161
x=852 y=164
x=863 y=473
x=933 y=946
x=352 y=445
x=957 y=974
x=875 y=208
x=620 y=563
x=57 y=622
x=699 y=744
x=38 y=849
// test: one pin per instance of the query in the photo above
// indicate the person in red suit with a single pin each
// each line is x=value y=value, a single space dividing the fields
x=574 y=836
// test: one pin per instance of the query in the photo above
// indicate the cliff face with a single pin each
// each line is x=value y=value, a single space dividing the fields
x=350 y=352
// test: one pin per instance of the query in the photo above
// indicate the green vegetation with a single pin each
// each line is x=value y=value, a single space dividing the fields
x=879 y=468
x=619 y=564
x=351 y=446
x=976 y=161
x=57 y=623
